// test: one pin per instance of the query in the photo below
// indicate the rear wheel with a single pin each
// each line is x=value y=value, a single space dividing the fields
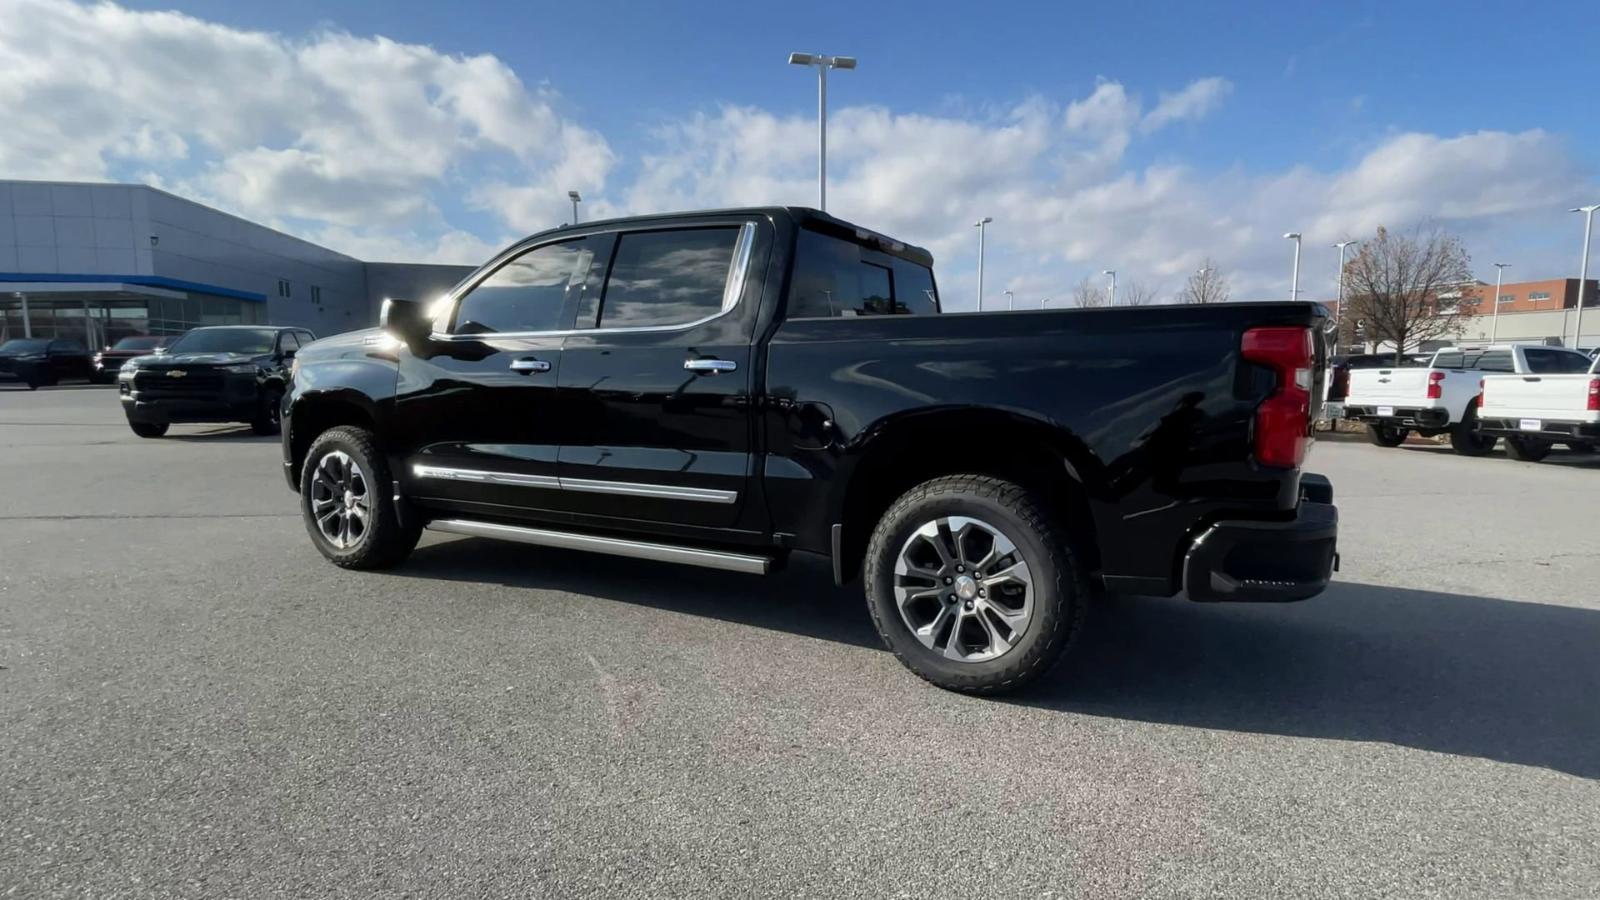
x=1527 y=449
x=1387 y=435
x=1465 y=438
x=973 y=585
x=347 y=502
x=148 y=429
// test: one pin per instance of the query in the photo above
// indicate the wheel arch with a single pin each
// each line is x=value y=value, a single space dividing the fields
x=315 y=412
x=906 y=450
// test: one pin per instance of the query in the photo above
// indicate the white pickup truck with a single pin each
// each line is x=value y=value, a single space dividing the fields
x=1556 y=402
x=1442 y=397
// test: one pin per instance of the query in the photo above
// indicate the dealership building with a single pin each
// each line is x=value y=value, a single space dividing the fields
x=99 y=262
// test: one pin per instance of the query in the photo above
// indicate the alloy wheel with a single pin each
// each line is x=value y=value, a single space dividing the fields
x=964 y=589
x=341 y=500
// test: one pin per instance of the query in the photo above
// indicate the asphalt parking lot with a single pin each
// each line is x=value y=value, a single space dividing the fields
x=193 y=704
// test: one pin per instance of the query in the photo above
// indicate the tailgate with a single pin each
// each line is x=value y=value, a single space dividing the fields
x=1388 y=387
x=1541 y=396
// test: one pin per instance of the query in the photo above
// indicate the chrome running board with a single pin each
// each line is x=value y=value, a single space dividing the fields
x=568 y=540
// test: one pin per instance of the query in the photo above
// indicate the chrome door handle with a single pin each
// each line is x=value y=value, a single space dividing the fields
x=529 y=365
x=710 y=365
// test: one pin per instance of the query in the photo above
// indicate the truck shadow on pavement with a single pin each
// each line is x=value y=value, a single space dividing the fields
x=1471 y=676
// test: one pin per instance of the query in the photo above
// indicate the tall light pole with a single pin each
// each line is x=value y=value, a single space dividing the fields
x=1494 y=320
x=1112 y=301
x=1294 y=286
x=1011 y=301
x=980 y=226
x=1583 y=275
x=823 y=63
x=573 y=196
x=1338 y=315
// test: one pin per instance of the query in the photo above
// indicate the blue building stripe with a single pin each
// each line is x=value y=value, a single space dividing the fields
x=159 y=281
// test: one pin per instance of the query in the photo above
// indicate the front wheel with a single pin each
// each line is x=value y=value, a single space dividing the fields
x=973 y=585
x=346 y=500
x=268 y=412
x=1386 y=435
x=148 y=429
x=1527 y=449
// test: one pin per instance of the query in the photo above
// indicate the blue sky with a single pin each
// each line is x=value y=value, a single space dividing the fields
x=1324 y=118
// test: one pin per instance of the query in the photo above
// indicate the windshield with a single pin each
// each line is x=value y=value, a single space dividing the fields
x=145 y=342
x=23 y=345
x=226 y=340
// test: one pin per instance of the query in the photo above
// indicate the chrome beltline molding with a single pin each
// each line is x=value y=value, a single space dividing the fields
x=587 y=485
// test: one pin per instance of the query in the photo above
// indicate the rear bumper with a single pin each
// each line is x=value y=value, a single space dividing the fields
x=1554 y=430
x=1400 y=416
x=1268 y=561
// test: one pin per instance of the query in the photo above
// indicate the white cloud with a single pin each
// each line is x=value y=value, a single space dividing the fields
x=1193 y=103
x=334 y=128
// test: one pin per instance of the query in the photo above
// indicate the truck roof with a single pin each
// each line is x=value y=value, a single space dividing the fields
x=800 y=215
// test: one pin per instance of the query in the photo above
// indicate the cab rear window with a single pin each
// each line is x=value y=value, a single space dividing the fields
x=835 y=278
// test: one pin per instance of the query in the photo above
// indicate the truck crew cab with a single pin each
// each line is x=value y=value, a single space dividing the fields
x=727 y=388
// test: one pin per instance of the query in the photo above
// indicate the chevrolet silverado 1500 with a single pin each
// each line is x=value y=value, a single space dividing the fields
x=728 y=388
x=1557 y=401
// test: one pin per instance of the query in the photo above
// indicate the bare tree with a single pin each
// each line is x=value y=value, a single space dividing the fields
x=1087 y=294
x=1394 y=283
x=1136 y=293
x=1209 y=285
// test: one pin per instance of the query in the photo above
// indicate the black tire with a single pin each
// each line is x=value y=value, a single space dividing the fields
x=267 y=411
x=1464 y=436
x=1059 y=586
x=1387 y=435
x=148 y=429
x=1527 y=449
x=34 y=382
x=384 y=541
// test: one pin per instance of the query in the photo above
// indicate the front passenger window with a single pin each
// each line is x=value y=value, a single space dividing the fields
x=527 y=293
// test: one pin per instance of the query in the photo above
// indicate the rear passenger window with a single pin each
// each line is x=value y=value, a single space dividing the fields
x=1556 y=362
x=668 y=277
x=527 y=293
x=835 y=277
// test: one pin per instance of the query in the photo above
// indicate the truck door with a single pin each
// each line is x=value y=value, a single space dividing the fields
x=657 y=378
x=477 y=405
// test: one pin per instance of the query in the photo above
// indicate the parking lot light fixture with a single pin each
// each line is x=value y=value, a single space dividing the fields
x=1112 y=300
x=980 y=224
x=823 y=62
x=1294 y=284
x=573 y=196
x=1011 y=301
x=1494 y=319
x=1583 y=274
x=1338 y=314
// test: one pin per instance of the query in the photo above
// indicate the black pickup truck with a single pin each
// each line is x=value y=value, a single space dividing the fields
x=728 y=388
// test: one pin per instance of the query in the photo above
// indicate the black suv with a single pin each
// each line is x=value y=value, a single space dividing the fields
x=234 y=373
x=41 y=361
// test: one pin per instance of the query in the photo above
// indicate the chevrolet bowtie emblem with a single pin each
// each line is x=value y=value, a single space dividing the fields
x=176 y=373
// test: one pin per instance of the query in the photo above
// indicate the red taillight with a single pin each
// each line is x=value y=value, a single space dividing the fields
x=1283 y=420
x=1594 y=395
x=1483 y=393
x=1435 y=385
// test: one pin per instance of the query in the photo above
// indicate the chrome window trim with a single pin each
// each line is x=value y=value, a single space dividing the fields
x=583 y=485
x=732 y=293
